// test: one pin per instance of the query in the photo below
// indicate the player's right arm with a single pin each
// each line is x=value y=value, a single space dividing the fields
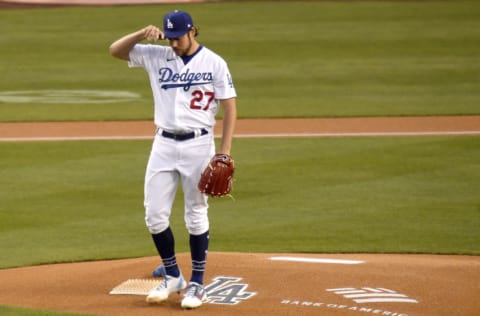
x=122 y=47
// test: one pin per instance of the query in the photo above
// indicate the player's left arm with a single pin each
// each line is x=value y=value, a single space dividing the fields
x=229 y=107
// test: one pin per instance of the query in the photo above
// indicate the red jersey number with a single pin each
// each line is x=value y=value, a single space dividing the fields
x=197 y=100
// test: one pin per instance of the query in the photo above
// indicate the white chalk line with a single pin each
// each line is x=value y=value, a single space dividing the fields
x=72 y=138
x=259 y=135
x=359 y=134
x=317 y=260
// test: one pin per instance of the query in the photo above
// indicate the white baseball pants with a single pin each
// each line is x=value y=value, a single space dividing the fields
x=172 y=162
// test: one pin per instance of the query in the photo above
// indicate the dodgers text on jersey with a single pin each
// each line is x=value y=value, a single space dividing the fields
x=183 y=80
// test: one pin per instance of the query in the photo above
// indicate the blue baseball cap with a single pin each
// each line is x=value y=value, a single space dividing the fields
x=176 y=24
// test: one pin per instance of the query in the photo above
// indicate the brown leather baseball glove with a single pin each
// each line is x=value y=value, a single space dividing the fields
x=216 y=180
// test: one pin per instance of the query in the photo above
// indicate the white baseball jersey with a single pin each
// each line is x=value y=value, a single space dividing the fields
x=185 y=96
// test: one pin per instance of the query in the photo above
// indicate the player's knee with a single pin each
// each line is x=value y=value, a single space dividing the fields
x=156 y=222
x=196 y=218
x=197 y=225
x=197 y=229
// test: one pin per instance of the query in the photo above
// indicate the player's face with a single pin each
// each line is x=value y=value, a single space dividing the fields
x=183 y=46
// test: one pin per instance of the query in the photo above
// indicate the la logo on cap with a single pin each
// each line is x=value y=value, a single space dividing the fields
x=176 y=24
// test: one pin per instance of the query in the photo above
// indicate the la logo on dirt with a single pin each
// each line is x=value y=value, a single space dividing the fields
x=225 y=290
x=222 y=290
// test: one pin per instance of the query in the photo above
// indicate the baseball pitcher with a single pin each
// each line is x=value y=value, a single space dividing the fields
x=189 y=83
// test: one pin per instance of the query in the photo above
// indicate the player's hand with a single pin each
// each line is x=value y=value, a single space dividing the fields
x=153 y=33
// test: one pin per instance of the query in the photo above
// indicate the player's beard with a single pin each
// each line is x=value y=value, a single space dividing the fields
x=185 y=51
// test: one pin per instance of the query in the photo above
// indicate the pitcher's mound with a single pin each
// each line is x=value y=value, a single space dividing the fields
x=256 y=284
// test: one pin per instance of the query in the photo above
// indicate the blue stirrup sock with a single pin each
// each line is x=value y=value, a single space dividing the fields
x=165 y=244
x=199 y=250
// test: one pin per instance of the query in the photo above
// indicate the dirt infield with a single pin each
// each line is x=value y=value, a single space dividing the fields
x=367 y=126
x=18 y=4
x=254 y=284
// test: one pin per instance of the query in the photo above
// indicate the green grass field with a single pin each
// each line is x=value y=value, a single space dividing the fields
x=10 y=311
x=83 y=200
x=289 y=59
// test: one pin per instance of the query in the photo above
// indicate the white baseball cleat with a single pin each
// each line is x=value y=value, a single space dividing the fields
x=169 y=285
x=195 y=296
